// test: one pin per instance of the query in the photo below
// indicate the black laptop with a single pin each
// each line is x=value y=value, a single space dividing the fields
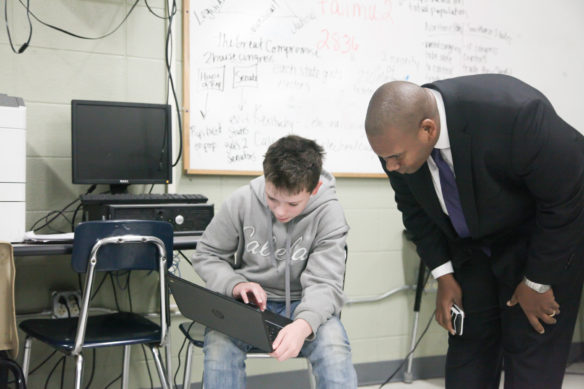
x=227 y=315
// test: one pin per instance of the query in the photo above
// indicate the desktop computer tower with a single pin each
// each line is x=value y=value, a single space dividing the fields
x=186 y=219
x=12 y=168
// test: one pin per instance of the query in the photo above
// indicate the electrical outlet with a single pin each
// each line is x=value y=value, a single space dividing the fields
x=66 y=303
x=74 y=303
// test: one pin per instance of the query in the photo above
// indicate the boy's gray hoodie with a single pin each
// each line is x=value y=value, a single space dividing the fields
x=236 y=248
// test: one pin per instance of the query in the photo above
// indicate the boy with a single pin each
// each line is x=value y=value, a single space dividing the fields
x=280 y=243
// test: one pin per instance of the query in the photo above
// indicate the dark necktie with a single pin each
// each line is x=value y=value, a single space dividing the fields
x=450 y=194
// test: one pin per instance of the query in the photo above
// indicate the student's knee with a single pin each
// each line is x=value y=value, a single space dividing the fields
x=224 y=365
x=331 y=341
x=220 y=347
x=330 y=356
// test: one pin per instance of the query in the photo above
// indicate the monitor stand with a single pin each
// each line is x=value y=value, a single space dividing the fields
x=119 y=188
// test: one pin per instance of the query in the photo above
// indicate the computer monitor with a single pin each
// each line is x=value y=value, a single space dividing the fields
x=120 y=143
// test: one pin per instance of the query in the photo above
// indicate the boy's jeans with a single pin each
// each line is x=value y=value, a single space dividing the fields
x=329 y=353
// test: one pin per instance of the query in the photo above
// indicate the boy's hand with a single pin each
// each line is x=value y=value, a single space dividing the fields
x=290 y=340
x=251 y=292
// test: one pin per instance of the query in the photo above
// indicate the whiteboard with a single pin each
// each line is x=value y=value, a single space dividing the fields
x=256 y=70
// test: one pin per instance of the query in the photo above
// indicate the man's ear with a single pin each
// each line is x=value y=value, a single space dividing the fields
x=316 y=188
x=428 y=129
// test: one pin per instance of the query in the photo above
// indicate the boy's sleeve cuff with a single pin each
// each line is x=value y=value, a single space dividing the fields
x=230 y=284
x=313 y=321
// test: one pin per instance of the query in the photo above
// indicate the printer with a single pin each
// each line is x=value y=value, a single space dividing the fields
x=12 y=168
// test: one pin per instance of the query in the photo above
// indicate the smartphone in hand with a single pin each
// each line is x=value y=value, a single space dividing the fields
x=457 y=318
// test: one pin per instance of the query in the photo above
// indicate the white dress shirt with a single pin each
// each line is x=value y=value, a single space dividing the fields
x=443 y=144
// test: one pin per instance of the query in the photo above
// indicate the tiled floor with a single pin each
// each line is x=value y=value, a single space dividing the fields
x=574 y=379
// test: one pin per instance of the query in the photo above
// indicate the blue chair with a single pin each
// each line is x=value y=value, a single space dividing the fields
x=101 y=246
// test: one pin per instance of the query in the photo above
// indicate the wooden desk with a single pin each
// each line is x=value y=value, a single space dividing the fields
x=25 y=249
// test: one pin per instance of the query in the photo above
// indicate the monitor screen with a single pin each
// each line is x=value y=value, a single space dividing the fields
x=120 y=143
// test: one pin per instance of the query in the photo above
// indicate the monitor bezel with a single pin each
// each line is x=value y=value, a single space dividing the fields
x=119 y=181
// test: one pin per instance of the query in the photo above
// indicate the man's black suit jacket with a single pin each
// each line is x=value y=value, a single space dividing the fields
x=520 y=173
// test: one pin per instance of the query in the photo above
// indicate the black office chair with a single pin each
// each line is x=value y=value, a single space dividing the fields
x=110 y=246
x=194 y=333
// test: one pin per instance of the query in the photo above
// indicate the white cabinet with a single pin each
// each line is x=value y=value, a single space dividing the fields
x=12 y=168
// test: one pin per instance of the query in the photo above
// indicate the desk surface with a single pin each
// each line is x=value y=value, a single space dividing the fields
x=24 y=249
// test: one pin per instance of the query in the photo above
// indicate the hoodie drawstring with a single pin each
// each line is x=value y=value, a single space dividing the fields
x=288 y=263
x=271 y=238
x=288 y=256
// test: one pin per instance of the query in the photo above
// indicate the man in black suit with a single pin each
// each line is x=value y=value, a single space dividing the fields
x=490 y=183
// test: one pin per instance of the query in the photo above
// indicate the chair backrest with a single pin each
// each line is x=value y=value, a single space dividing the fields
x=120 y=257
x=111 y=245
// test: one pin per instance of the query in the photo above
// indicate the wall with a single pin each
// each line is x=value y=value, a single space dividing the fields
x=129 y=66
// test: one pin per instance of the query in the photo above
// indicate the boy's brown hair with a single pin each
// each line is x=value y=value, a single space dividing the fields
x=293 y=164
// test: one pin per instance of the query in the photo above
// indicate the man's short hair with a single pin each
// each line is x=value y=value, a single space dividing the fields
x=293 y=164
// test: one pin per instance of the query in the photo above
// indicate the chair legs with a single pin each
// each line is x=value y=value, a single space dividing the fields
x=164 y=380
x=168 y=360
x=187 y=379
x=26 y=358
x=26 y=364
x=158 y=362
x=78 y=371
x=126 y=367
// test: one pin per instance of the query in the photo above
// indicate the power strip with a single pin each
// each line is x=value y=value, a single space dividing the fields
x=66 y=304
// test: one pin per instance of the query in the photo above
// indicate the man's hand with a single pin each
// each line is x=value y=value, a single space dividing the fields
x=251 y=292
x=449 y=293
x=290 y=340
x=536 y=306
